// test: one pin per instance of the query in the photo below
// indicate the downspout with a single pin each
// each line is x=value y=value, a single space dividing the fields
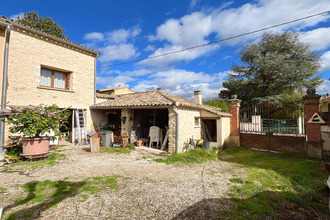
x=4 y=85
x=95 y=80
x=177 y=129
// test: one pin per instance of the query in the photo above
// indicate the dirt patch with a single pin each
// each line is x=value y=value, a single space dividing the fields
x=146 y=189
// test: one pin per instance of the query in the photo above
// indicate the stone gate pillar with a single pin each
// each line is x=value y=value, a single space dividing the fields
x=313 y=130
x=234 y=106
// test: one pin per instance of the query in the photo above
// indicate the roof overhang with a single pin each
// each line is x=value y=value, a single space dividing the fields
x=68 y=44
x=133 y=107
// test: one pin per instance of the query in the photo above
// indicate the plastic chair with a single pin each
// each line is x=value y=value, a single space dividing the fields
x=154 y=134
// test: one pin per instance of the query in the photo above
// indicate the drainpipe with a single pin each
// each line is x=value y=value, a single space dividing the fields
x=177 y=130
x=4 y=85
x=95 y=80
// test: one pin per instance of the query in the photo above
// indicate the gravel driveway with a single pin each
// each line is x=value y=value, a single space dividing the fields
x=147 y=190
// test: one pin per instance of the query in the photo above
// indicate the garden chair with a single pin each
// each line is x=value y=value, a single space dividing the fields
x=155 y=135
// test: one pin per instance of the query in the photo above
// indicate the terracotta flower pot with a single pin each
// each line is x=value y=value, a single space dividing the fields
x=35 y=146
x=139 y=143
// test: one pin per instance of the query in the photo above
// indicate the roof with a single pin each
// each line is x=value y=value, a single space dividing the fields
x=113 y=89
x=325 y=100
x=156 y=98
x=104 y=96
x=48 y=37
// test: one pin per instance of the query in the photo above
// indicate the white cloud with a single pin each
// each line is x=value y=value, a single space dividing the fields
x=325 y=61
x=318 y=39
x=122 y=35
x=108 y=81
x=187 y=31
x=193 y=4
x=199 y=27
x=117 y=52
x=149 y=48
x=265 y=13
x=324 y=87
x=94 y=36
x=118 y=36
x=183 y=83
x=163 y=61
x=20 y=15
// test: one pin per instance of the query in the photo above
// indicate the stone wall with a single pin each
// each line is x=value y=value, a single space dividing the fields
x=2 y=51
x=187 y=128
x=171 y=130
x=99 y=117
x=223 y=130
x=28 y=53
x=128 y=125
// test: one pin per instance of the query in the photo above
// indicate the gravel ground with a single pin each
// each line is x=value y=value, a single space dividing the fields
x=147 y=190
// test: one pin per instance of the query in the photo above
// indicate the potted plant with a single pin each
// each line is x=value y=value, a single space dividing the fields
x=215 y=149
x=138 y=143
x=34 y=121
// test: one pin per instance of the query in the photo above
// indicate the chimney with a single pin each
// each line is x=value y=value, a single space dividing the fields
x=198 y=97
x=119 y=86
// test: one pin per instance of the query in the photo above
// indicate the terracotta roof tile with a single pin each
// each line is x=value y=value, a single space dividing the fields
x=68 y=42
x=154 y=98
x=325 y=100
x=104 y=96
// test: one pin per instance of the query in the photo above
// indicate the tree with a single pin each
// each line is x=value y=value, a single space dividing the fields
x=47 y=25
x=33 y=121
x=278 y=64
x=217 y=103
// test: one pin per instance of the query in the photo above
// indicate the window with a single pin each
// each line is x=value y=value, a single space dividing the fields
x=54 y=79
x=197 y=121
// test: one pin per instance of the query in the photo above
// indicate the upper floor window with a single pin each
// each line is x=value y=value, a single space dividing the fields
x=54 y=78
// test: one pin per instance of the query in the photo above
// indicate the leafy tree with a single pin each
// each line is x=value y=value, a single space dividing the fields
x=278 y=64
x=217 y=103
x=33 y=123
x=47 y=25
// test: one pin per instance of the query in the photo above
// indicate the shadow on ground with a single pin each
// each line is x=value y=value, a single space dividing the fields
x=47 y=194
x=227 y=209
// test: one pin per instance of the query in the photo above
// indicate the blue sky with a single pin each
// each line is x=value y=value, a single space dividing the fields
x=128 y=30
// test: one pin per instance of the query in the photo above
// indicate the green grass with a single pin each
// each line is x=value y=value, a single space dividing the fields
x=149 y=180
x=116 y=150
x=52 y=160
x=47 y=194
x=58 y=147
x=2 y=189
x=273 y=181
x=196 y=155
x=237 y=180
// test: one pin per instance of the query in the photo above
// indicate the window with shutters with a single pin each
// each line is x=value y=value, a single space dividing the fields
x=54 y=79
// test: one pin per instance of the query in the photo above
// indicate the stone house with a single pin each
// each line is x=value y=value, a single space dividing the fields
x=104 y=94
x=45 y=69
x=180 y=118
x=118 y=91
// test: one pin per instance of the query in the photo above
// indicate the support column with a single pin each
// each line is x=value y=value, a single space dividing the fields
x=313 y=130
x=127 y=121
x=234 y=106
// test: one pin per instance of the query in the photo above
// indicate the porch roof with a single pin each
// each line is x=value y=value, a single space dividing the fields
x=156 y=98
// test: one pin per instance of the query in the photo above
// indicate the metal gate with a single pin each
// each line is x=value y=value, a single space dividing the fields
x=273 y=126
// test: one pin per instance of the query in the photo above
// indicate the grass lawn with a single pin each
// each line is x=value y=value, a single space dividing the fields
x=41 y=195
x=197 y=155
x=277 y=185
x=52 y=160
x=115 y=150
